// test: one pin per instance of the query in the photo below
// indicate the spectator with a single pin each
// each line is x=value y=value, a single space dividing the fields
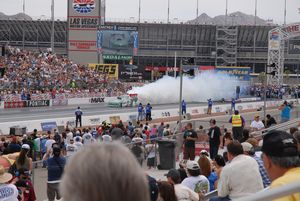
x=167 y=131
x=206 y=170
x=56 y=165
x=182 y=170
x=87 y=138
x=240 y=177
x=69 y=136
x=285 y=112
x=78 y=142
x=140 y=112
x=82 y=179
x=246 y=133
x=160 y=129
x=166 y=192
x=28 y=193
x=257 y=124
x=214 y=134
x=190 y=136
x=280 y=156
x=297 y=137
x=49 y=143
x=238 y=123
x=196 y=182
x=138 y=150
x=150 y=150
x=8 y=191
x=293 y=130
x=71 y=148
x=249 y=150
x=182 y=192
x=14 y=146
x=23 y=161
x=218 y=164
x=270 y=121
x=153 y=188
x=116 y=133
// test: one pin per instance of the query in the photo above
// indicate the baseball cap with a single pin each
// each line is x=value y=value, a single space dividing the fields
x=279 y=144
x=173 y=174
x=204 y=152
x=25 y=146
x=255 y=116
x=246 y=146
x=192 y=165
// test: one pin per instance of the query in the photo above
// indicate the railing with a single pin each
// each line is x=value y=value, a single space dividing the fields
x=271 y=194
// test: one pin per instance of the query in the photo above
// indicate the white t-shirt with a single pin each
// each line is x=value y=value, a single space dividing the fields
x=49 y=144
x=37 y=142
x=69 y=137
x=87 y=139
x=183 y=193
x=8 y=192
x=258 y=125
x=198 y=184
x=71 y=149
x=79 y=145
x=106 y=138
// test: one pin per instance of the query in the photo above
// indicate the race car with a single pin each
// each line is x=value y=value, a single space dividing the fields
x=123 y=101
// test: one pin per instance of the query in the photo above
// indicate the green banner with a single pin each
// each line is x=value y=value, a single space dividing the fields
x=117 y=57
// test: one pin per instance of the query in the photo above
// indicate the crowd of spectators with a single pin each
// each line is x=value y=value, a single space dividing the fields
x=30 y=75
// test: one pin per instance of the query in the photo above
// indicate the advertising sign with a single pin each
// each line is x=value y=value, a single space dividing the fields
x=97 y=100
x=37 y=103
x=117 y=40
x=131 y=73
x=294 y=47
x=241 y=73
x=274 y=40
x=48 y=126
x=84 y=18
x=111 y=70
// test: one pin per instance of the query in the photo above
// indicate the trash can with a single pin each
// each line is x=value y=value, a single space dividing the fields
x=166 y=150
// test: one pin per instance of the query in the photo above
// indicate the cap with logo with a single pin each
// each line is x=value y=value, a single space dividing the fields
x=25 y=146
x=173 y=174
x=279 y=144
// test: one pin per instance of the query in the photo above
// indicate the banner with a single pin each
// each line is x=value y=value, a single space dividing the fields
x=15 y=104
x=59 y=102
x=97 y=100
x=111 y=70
x=48 y=126
x=131 y=73
x=37 y=103
x=241 y=73
x=274 y=40
x=294 y=47
x=115 y=40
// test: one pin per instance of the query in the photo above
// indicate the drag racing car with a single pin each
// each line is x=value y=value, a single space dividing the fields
x=124 y=101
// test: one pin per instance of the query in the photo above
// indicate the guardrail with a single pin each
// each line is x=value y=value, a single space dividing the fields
x=271 y=194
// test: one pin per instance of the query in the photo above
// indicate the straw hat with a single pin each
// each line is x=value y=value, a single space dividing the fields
x=4 y=177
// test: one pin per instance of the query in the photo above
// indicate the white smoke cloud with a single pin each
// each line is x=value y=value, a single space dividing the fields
x=198 y=89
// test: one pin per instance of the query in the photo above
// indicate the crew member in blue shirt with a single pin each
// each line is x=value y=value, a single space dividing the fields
x=232 y=105
x=183 y=107
x=210 y=103
x=148 y=112
x=78 y=114
x=140 y=112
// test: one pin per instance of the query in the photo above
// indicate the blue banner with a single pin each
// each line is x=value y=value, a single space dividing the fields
x=48 y=126
x=241 y=73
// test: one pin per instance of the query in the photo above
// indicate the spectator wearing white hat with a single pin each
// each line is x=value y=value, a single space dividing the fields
x=23 y=161
x=9 y=192
x=195 y=181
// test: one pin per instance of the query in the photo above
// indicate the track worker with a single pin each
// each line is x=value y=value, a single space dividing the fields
x=238 y=123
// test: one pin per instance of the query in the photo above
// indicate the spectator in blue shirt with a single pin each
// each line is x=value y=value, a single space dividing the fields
x=210 y=103
x=56 y=165
x=285 y=112
x=140 y=112
x=148 y=112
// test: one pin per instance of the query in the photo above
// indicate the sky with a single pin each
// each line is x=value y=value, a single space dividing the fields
x=157 y=9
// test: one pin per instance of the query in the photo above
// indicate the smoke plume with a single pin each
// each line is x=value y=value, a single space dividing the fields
x=198 y=89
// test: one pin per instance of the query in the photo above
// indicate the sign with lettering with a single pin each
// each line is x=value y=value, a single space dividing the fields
x=97 y=100
x=48 y=126
x=111 y=70
x=37 y=103
x=241 y=73
x=83 y=23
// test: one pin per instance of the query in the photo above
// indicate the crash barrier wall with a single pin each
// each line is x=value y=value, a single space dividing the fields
x=162 y=114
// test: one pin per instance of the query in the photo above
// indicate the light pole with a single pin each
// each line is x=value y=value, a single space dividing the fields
x=197 y=11
x=23 y=6
x=254 y=37
x=168 y=12
x=226 y=12
x=139 y=11
x=284 y=12
x=52 y=27
x=180 y=94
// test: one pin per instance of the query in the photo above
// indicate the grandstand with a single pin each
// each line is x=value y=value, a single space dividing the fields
x=158 y=42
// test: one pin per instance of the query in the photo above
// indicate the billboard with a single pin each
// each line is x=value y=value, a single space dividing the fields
x=131 y=73
x=274 y=40
x=294 y=47
x=111 y=70
x=241 y=73
x=84 y=18
x=117 y=42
